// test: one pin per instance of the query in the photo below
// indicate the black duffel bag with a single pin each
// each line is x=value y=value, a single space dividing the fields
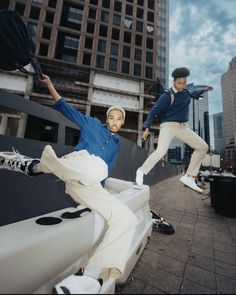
x=16 y=45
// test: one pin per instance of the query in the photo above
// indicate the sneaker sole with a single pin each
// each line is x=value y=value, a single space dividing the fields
x=186 y=184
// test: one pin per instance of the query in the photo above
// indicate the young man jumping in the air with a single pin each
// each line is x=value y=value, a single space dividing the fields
x=172 y=110
x=83 y=171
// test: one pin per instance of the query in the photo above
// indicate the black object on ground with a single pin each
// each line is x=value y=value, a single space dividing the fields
x=160 y=225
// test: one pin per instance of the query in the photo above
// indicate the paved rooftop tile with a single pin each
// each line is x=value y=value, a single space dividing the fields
x=200 y=258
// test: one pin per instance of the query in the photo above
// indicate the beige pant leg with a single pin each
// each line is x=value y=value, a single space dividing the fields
x=111 y=254
x=167 y=133
x=196 y=142
x=80 y=166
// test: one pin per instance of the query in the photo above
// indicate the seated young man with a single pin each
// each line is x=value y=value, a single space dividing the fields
x=83 y=171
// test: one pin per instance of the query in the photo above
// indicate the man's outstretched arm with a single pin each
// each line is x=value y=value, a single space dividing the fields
x=60 y=104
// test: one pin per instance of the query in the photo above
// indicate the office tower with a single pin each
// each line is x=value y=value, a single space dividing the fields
x=218 y=122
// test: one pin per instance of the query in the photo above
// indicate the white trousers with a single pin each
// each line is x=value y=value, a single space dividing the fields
x=111 y=254
x=169 y=131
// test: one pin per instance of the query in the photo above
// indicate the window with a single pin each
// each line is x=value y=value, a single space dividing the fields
x=114 y=49
x=118 y=6
x=137 y=69
x=149 y=72
x=129 y=10
x=140 y=2
x=115 y=34
x=49 y=17
x=43 y=50
x=140 y=13
x=100 y=61
x=52 y=3
x=34 y=13
x=138 y=54
x=138 y=40
x=126 y=51
x=67 y=47
x=75 y=15
x=151 y=4
x=94 y=2
x=116 y=20
x=127 y=37
x=150 y=30
x=37 y=1
x=88 y=43
x=32 y=29
x=150 y=16
x=106 y=3
x=72 y=16
x=90 y=28
x=71 y=42
x=125 y=67
x=92 y=13
x=87 y=59
x=103 y=31
x=149 y=57
x=150 y=43
x=102 y=46
x=139 y=26
x=46 y=33
x=113 y=64
x=105 y=16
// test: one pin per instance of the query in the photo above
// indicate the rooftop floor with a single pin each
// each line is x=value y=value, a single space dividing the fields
x=200 y=258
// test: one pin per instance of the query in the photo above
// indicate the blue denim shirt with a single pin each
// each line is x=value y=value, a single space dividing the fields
x=178 y=112
x=95 y=137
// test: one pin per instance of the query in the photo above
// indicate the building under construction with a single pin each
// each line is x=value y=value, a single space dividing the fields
x=97 y=53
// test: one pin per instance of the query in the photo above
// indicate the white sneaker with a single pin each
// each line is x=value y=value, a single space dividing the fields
x=139 y=177
x=78 y=285
x=14 y=161
x=190 y=182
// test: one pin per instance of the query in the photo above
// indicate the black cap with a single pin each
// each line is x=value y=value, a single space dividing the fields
x=180 y=73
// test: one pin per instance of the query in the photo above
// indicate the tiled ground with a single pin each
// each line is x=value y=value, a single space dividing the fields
x=200 y=258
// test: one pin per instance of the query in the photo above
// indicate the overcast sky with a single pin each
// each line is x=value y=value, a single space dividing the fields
x=203 y=38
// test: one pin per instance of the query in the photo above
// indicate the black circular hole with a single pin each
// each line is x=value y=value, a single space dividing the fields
x=48 y=220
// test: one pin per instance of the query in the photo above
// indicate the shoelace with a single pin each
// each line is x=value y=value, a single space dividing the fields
x=16 y=162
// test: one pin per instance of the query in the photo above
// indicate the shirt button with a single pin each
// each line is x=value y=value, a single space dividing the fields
x=102 y=148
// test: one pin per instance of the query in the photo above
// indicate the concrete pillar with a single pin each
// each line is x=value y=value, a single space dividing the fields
x=3 y=124
x=140 y=117
x=90 y=93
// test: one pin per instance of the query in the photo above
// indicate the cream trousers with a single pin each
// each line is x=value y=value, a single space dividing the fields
x=82 y=174
x=169 y=131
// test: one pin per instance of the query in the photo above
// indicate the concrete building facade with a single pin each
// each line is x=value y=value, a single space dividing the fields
x=97 y=53
x=218 y=122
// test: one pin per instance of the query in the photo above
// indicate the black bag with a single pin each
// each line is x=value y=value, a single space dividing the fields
x=16 y=45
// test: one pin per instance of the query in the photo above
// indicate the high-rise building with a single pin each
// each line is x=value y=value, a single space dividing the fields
x=228 y=83
x=218 y=121
x=98 y=53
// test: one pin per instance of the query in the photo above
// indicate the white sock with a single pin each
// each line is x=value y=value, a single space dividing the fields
x=139 y=176
x=36 y=168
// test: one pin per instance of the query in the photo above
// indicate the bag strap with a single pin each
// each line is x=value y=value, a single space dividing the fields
x=172 y=96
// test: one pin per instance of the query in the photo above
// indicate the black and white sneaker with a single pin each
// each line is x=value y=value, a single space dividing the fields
x=14 y=161
x=160 y=225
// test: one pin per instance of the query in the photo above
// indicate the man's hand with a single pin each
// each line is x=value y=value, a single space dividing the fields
x=48 y=83
x=145 y=134
x=209 y=88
